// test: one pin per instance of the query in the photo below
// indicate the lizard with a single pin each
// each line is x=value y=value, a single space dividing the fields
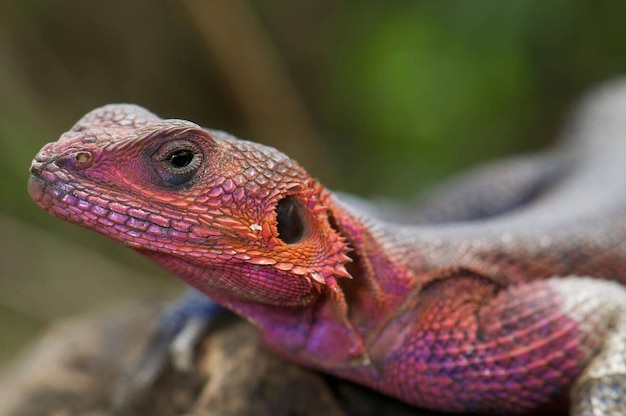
x=519 y=305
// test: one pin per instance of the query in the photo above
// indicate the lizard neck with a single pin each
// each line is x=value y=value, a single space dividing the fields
x=382 y=280
x=317 y=333
x=381 y=273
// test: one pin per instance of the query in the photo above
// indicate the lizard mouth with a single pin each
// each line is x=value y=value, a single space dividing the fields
x=36 y=184
x=43 y=185
x=36 y=187
x=43 y=190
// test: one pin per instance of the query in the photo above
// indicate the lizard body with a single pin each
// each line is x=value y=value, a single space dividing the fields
x=501 y=311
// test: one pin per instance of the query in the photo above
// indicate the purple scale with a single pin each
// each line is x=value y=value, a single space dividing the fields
x=54 y=192
x=99 y=211
x=64 y=212
x=172 y=214
x=213 y=203
x=159 y=220
x=239 y=180
x=81 y=194
x=180 y=225
x=69 y=199
x=117 y=218
x=229 y=186
x=105 y=221
x=170 y=246
x=202 y=198
x=137 y=224
x=50 y=177
x=250 y=173
x=120 y=227
x=227 y=199
x=252 y=189
x=96 y=200
x=217 y=182
x=215 y=192
x=117 y=207
x=157 y=231
x=204 y=232
x=135 y=234
x=269 y=164
x=156 y=243
x=137 y=213
x=83 y=205
x=239 y=194
x=89 y=215
x=177 y=234
x=262 y=180
x=62 y=175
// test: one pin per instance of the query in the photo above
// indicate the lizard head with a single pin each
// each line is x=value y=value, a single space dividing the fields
x=226 y=215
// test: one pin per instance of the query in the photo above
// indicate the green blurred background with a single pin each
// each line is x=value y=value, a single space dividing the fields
x=374 y=97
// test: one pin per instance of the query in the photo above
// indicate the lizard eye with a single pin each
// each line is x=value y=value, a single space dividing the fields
x=178 y=161
x=290 y=225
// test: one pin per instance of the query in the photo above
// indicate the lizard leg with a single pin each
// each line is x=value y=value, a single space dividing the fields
x=510 y=350
x=582 y=332
x=181 y=325
x=601 y=388
x=177 y=332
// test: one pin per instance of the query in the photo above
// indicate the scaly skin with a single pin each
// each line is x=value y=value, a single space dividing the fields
x=485 y=315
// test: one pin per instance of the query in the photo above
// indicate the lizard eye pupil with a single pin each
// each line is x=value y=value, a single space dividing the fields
x=290 y=225
x=180 y=158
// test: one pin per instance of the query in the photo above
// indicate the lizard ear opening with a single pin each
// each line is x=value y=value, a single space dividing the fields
x=290 y=224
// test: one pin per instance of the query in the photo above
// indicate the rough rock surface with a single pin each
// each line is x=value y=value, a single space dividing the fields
x=76 y=366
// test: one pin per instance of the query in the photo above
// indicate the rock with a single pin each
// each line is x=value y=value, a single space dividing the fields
x=76 y=366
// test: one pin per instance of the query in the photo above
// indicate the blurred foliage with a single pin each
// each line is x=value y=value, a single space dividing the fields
x=431 y=82
x=396 y=95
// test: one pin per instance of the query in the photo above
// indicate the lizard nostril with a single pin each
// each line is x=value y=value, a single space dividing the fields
x=78 y=160
x=83 y=158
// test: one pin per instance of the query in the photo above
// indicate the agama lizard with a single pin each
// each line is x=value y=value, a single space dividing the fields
x=502 y=308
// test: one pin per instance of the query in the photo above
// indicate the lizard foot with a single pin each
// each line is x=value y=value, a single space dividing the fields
x=601 y=389
x=173 y=342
